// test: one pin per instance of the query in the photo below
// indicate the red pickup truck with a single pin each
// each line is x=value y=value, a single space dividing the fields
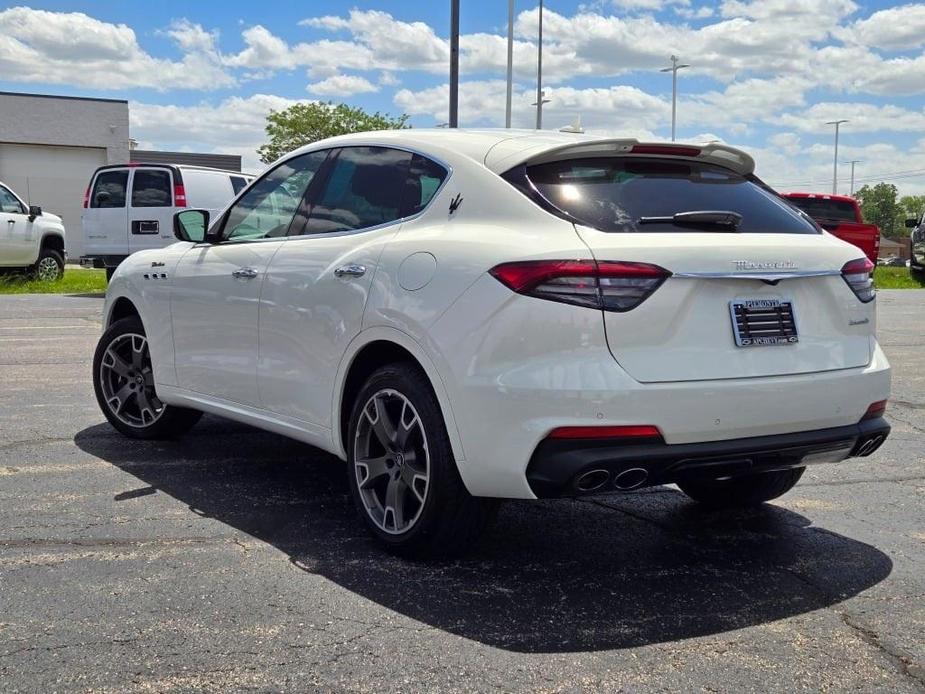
x=841 y=217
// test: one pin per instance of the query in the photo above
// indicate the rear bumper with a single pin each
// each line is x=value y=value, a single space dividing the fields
x=563 y=467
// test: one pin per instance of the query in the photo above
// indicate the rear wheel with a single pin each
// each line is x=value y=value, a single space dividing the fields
x=124 y=383
x=747 y=490
x=401 y=470
x=49 y=267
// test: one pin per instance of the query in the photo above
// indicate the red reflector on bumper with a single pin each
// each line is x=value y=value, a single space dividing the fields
x=875 y=410
x=634 y=431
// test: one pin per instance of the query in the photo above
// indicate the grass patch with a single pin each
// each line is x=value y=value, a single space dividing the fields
x=896 y=278
x=75 y=281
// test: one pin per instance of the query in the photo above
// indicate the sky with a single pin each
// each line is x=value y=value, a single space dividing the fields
x=765 y=75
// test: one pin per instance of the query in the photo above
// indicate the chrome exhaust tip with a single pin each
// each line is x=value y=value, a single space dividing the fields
x=631 y=479
x=870 y=445
x=592 y=480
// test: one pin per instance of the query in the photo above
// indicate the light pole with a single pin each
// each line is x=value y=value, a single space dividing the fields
x=539 y=75
x=836 y=123
x=852 y=162
x=510 y=62
x=454 y=63
x=674 y=89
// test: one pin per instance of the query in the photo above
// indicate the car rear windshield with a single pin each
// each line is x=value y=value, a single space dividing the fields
x=613 y=194
x=826 y=210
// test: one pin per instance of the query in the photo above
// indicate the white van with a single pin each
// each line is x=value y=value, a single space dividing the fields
x=130 y=207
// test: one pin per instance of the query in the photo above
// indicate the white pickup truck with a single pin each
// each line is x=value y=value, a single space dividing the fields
x=130 y=207
x=30 y=240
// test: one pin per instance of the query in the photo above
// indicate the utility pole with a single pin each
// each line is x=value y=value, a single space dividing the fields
x=852 y=162
x=539 y=76
x=674 y=90
x=836 y=123
x=454 y=63
x=510 y=62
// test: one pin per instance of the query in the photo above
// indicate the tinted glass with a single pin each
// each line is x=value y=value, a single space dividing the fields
x=364 y=189
x=612 y=194
x=238 y=184
x=9 y=203
x=151 y=188
x=424 y=178
x=825 y=210
x=109 y=189
x=267 y=208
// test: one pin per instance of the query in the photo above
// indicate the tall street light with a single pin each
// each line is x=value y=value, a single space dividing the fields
x=539 y=75
x=454 y=63
x=836 y=123
x=852 y=162
x=674 y=89
x=510 y=62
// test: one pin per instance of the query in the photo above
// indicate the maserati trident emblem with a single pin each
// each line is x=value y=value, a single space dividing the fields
x=764 y=265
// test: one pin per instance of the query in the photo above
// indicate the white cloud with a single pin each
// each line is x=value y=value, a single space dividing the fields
x=75 y=49
x=863 y=118
x=647 y=4
x=900 y=28
x=342 y=85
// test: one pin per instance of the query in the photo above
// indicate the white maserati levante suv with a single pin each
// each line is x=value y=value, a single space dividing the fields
x=465 y=316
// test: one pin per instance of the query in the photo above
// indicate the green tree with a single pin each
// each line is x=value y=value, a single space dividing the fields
x=912 y=206
x=879 y=206
x=308 y=122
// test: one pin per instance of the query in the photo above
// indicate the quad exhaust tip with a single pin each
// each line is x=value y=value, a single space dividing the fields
x=631 y=479
x=870 y=445
x=592 y=480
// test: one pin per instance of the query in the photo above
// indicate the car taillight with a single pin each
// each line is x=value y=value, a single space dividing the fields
x=857 y=275
x=875 y=410
x=179 y=195
x=87 y=198
x=608 y=285
x=632 y=431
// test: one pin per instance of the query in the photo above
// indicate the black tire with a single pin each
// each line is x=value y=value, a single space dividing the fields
x=917 y=271
x=449 y=519
x=747 y=490
x=170 y=421
x=110 y=271
x=43 y=266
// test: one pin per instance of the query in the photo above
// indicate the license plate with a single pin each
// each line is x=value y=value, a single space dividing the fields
x=761 y=322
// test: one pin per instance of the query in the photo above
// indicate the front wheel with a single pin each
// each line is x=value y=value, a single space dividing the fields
x=123 y=379
x=49 y=267
x=401 y=471
x=747 y=490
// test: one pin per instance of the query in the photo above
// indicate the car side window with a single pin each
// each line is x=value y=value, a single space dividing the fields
x=151 y=188
x=423 y=182
x=9 y=203
x=109 y=189
x=267 y=208
x=363 y=189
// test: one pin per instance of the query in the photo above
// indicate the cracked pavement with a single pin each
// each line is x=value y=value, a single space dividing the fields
x=231 y=561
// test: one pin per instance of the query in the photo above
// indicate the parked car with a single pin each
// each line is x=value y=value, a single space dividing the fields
x=841 y=217
x=30 y=240
x=129 y=208
x=917 y=260
x=891 y=261
x=470 y=316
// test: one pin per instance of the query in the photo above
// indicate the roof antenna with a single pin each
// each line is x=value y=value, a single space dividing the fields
x=574 y=127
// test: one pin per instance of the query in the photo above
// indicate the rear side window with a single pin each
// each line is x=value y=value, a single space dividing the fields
x=825 y=210
x=238 y=184
x=109 y=189
x=613 y=194
x=151 y=188
x=423 y=181
x=363 y=189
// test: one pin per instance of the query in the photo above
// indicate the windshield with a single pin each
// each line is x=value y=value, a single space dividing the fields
x=612 y=194
x=820 y=208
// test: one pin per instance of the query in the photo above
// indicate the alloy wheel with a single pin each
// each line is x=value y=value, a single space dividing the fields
x=47 y=269
x=391 y=461
x=127 y=381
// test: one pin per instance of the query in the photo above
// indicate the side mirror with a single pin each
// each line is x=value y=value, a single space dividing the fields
x=912 y=223
x=191 y=225
x=34 y=211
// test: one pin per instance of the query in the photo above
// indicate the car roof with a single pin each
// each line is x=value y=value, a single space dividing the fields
x=502 y=149
x=174 y=167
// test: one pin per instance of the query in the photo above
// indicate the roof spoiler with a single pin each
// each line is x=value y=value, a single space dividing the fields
x=714 y=153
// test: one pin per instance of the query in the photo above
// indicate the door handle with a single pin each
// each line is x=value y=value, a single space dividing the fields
x=244 y=273
x=350 y=271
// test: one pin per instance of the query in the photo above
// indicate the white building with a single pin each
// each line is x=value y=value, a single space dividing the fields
x=50 y=145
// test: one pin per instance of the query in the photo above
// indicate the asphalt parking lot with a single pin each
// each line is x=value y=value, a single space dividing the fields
x=231 y=560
